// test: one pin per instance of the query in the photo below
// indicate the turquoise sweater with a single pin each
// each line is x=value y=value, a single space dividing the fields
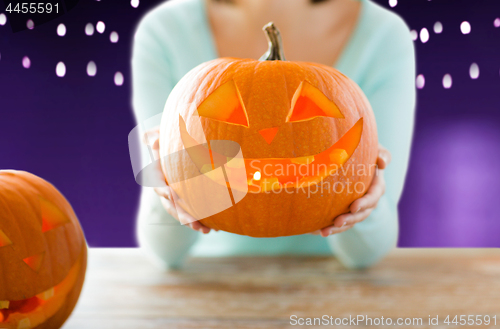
x=175 y=37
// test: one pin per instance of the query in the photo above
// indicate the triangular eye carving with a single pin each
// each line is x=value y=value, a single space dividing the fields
x=309 y=102
x=52 y=216
x=4 y=239
x=225 y=104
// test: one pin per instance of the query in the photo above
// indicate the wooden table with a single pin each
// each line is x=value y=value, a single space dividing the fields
x=123 y=290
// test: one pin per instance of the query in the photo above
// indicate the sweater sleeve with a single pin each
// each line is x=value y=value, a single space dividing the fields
x=152 y=79
x=388 y=82
x=160 y=235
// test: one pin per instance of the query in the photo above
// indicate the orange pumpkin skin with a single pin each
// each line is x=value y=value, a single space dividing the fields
x=266 y=91
x=43 y=253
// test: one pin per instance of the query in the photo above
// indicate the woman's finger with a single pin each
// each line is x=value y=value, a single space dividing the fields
x=152 y=140
x=334 y=230
x=371 y=198
x=183 y=217
x=156 y=145
x=151 y=136
x=168 y=201
x=384 y=157
x=169 y=207
x=186 y=219
x=197 y=226
x=164 y=192
x=350 y=218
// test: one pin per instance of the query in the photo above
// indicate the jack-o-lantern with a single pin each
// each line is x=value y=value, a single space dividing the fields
x=43 y=254
x=306 y=133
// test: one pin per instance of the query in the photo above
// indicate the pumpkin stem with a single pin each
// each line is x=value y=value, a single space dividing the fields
x=275 y=51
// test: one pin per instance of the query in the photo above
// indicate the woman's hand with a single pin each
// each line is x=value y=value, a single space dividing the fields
x=151 y=138
x=362 y=207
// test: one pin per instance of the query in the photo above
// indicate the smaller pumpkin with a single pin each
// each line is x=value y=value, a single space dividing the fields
x=43 y=254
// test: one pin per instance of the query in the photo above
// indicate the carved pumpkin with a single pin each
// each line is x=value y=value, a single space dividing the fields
x=273 y=141
x=43 y=254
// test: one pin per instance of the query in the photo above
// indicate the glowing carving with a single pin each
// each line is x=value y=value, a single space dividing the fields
x=52 y=216
x=35 y=261
x=225 y=104
x=309 y=102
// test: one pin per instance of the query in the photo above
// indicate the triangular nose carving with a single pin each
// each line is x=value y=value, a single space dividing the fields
x=35 y=262
x=269 y=134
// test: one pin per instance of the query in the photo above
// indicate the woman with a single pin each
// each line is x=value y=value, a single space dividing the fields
x=364 y=41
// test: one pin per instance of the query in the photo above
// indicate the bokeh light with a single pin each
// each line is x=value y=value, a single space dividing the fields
x=496 y=22
x=438 y=27
x=447 y=81
x=393 y=3
x=134 y=3
x=91 y=69
x=3 y=19
x=26 y=62
x=474 y=71
x=60 y=69
x=61 y=30
x=420 y=81
x=414 y=35
x=113 y=37
x=465 y=27
x=89 y=29
x=424 y=35
x=100 y=27
x=118 y=78
x=30 y=24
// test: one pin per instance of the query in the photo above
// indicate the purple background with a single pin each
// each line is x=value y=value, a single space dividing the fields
x=73 y=130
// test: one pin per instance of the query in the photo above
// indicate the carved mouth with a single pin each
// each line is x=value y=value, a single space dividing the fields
x=31 y=312
x=269 y=174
